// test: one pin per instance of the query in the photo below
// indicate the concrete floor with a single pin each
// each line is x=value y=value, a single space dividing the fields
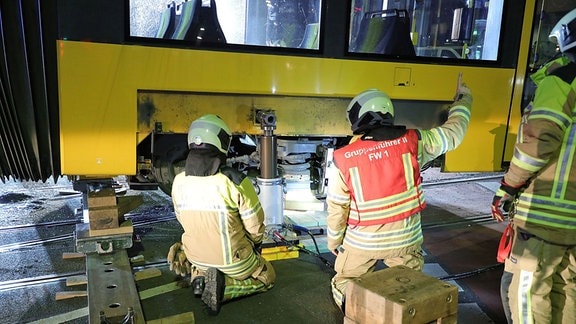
x=454 y=244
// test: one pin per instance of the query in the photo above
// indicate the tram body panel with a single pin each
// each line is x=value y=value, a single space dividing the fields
x=99 y=85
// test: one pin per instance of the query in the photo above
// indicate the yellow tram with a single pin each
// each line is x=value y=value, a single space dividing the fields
x=303 y=60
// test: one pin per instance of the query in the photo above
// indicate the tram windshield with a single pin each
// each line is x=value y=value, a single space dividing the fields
x=454 y=29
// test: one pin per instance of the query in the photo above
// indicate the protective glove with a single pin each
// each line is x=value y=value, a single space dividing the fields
x=503 y=200
x=178 y=261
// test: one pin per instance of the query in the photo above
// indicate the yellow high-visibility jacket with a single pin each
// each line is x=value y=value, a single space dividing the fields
x=544 y=157
x=222 y=220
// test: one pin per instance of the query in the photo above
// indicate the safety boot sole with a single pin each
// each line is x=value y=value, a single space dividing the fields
x=213 y=290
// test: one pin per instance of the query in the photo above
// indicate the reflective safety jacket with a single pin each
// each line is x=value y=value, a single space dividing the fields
x=544 y=158
x=222 y=219
x=378 y=198
x=373 y=205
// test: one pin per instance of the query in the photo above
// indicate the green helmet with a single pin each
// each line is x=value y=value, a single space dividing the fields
x=564 y=32
x=210 y=129
x=369 y=109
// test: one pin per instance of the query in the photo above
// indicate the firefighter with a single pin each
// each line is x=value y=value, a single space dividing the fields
x=222 y=219
x=538 y=284
x=375 y=192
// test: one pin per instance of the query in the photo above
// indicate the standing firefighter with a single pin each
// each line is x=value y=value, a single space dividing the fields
x=539 y=283
x=222 y=219
x=375 y=196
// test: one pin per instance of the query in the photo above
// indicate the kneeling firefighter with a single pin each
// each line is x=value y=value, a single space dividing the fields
x=222 y=219
x=375 y=192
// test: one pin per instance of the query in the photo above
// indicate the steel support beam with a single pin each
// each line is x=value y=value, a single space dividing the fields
x=112 y=293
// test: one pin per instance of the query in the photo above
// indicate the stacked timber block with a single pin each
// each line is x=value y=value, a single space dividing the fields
x=102 y=209
x=400 y=295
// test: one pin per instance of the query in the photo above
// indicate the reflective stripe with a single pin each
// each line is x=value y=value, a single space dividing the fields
x=235 y=288
x=240 y=269
x=527 y=162
x=556 y=117
x=543 y=218
x=225 y=237
x=552 y=212
x=363 y=214
x=339 y=199
x=460 y=111
x=245 y=214
x=356 y=185
x=440 y=132
x=389 y=202
x=565 y=163
x=525 y=298
x=408 y=176
x=335 y=235
x=388 y=240
x=337 y=295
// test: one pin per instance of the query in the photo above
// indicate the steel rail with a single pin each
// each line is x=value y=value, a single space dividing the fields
x=40 y=280
x=32 y=281
x=477 y=219
x=18 y=245
x=460 y=180
x=43 y=224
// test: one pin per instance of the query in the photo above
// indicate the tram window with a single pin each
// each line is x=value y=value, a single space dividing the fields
x=270 y=23
x=455 y=29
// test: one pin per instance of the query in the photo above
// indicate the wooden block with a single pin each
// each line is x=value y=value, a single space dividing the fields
x=137 y=259
x=400 y=295
x=76 y=280
x=184 y=318
x=102 y=198
x=125 y=228
x=70 y=294
x=147 y=273
x=72 y=255
x=103 y=218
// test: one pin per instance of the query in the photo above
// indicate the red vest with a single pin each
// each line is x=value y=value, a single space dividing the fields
x=383 y=178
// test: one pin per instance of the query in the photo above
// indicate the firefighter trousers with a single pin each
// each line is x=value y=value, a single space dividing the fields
x=542 y=288
x=349 y=266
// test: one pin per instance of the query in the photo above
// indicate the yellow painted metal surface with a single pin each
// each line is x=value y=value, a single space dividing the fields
x=100 y=85
x=519 y=79
x=295 y=115
x=279 y=253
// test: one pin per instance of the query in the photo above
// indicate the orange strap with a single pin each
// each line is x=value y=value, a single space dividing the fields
x=505 y=244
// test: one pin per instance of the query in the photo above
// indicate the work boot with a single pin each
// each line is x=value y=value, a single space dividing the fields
x=213 y=290
x=198 y=285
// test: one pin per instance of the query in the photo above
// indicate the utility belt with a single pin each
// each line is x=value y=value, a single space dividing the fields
x=505 y=245
x=523 y=235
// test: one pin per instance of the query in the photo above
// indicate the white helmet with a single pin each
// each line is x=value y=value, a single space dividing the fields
x=564 y=33
x=369 y=109
x=210 y=129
